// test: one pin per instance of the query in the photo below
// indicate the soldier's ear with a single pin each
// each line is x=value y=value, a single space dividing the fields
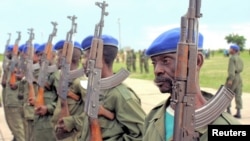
x=200 y=60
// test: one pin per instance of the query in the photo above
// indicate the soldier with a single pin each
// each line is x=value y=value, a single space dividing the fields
x=71 y=124
x=120 y=100
x=129 y=60
x=25 y=89
x=159 y=123
x=133 y=60
x=234 y=81
x=13 y=107
x=143 y=61
x=43 y=129
x=5 y=70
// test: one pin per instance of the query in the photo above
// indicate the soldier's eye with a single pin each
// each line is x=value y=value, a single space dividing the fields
x=166 y=61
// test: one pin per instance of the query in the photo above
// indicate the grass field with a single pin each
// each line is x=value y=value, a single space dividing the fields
x=212 y=75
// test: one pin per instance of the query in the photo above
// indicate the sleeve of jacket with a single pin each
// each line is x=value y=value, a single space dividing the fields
x=130 y=114
x=76 y=122
x=51 y=106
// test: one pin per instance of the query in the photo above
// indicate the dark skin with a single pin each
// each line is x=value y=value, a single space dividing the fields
x=164 y=71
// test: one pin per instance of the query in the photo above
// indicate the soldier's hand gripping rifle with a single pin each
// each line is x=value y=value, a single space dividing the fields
x=187 y=118
x=46 y=68
x=64 y=80
x=6 y=61
x=14 y=60
x=29 y=67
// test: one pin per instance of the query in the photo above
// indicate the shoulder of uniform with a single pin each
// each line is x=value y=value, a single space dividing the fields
x=123 y=90
x=157 y=111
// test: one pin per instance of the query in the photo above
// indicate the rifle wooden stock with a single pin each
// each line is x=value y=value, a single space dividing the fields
x=96 y=134
x=48 y=51
x=69 y=54
x=93 y=49
x=99 y=55
x=12 y=78
x=40 y=97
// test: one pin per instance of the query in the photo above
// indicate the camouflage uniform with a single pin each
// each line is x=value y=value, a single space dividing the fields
x=73 y=122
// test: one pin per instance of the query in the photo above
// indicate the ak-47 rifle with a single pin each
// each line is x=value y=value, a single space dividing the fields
x=14 y=60
x=64 y=76
x=46 y=68
x=95 y=83
x=94 y=71
x=5 y=61
x=29 y=67
x=187 y=118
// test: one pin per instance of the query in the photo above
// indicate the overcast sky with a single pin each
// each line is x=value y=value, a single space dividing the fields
x=141 y=21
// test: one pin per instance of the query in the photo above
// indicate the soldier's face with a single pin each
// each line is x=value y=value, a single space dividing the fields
x=164 y=70
x=59 y=58
x=9 y=54
x=85 y=61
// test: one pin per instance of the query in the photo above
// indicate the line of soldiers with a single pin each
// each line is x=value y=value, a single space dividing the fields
x=131 y=61
x=34 y=122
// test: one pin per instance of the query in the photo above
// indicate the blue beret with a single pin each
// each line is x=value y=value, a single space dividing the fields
x=36 y=46
x=41 y=48
x=10 y=47
x=107 y=40
x=20 y=49
x=167 y=42
x=24 y=47
x=59 y=45
x=235 y=47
